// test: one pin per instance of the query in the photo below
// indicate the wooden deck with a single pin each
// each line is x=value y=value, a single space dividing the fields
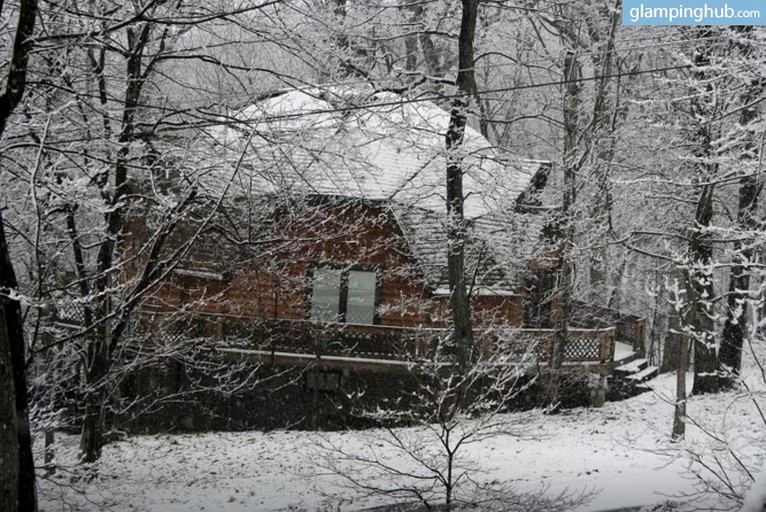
x=306 y=343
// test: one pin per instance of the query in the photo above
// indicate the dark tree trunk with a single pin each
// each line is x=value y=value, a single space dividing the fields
x=699 y=317
x=13 y=335
x=734 y=329
x=17 y=74
x=92 y=433
x=457 y=229
x=699 y=283
x=9 y=441
x=11 y=310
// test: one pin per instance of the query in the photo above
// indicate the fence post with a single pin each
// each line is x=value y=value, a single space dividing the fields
x=549 y=340
x=609 y=339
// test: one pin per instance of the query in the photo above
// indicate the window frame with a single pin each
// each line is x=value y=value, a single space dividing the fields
x=343 y=292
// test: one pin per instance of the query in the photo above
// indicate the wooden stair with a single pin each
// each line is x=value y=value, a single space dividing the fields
x=627 y=380
x=644 y=375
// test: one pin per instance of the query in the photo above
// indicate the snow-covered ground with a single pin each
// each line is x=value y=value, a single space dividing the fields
x=621 y=454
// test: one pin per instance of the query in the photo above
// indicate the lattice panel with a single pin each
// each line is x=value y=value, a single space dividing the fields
x=583 y=349
x=70 y=314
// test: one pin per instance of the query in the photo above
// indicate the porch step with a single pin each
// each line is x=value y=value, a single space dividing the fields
x=627 y=380
x=635 y=366
x=645 y=374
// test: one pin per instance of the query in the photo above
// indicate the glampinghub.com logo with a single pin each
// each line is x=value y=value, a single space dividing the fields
x=708 y=12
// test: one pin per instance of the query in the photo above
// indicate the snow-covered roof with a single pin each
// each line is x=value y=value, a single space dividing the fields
x=378 y=146
x=499 y=246
x=353 y=143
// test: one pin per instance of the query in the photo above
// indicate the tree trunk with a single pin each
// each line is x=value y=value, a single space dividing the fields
x=566 y=235
x=92 y=432
x=699 y=317
x=99 y=346
x=431 y=59
x=457 y=231
x=9 y=441
x=734 y=329
x=603 y=127
x=679 y=415
x=91 y=435
x=17 y=74
x=411 y=44
x=11 y=310
x=671 y=353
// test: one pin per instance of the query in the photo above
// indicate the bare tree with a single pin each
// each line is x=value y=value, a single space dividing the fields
x=565 y=240
x=429 y=464
x=102 y=164
x=751 y=184
x=457 y=233
x=18 y=488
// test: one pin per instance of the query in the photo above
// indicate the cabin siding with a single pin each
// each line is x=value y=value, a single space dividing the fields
x=276 y=284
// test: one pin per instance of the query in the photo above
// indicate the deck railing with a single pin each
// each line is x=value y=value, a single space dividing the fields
x=341 y=340
x=631 y=329
x=584 y=345
x=300 y=337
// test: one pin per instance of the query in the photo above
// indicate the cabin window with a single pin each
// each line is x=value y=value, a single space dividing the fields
x=325 y=294
x=343 y=295
x=360 y=300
